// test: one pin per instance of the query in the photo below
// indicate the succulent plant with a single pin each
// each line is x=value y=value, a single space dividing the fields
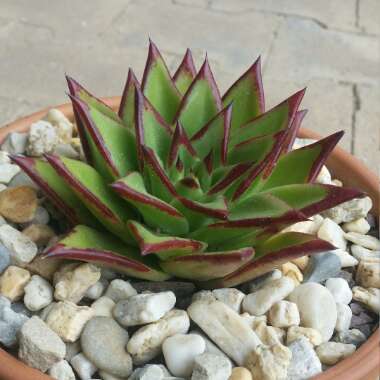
x=184 y=182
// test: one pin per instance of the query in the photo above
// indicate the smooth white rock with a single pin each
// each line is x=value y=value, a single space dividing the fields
x=83 y=367
x=226 y=328
x=331 y=353
x=143 y=308
x=7 y=172
x=38 y=293
x=68 y=319
x=340 y=290
x=103 y=307
x=230 y=296
x=95 y=291
x=365 y=241
x=369 y=297
x=15 y=143
x=43 y=138
x=180 y=351
x=368 y=273
x=62 y=371
x=333 y=233
x=309 y=297
x=146 y=343
x=324 y=176
x=151 y=372
x=119 y=290
x=203 y=295
x=63 y=125
x=297 y=332
x=346 y=259
x=40 y=347
x=284 y=314
x=292 y=271
x=305 y=362
x=269 y=335
x=21 y=248
x=211 y=367
x=360 y=252
x=259 y=302
x=4 y=157
x=41 y=216
x=307 y=227
x=360 y=226
x=343 y=320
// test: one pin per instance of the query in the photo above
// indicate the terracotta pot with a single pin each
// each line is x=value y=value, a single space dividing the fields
x=364 y=364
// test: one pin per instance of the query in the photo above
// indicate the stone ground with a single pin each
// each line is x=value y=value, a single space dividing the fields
x=330 y=46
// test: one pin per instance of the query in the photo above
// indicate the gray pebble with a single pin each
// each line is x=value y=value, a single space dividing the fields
x=5 y=258
x=322 y=266
x=353 y=336
x=179 y=288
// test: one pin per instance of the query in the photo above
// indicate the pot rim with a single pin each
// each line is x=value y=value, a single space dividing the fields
x=349 y=368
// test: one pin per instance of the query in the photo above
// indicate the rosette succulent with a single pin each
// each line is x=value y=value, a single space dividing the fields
x=183 y=182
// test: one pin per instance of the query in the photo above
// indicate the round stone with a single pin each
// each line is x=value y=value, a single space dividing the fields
x=103 y=342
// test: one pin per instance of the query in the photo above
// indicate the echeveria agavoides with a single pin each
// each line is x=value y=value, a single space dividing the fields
x=183 y=181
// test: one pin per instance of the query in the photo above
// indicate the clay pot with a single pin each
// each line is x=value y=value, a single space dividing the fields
x=364 y=364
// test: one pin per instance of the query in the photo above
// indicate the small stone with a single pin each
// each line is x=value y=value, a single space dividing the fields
x=291 y=270
x=20 y=308
x=72 y=349
x=226 y=328
x=179 y=288
x=68 y=320
x=22 y=179
x=269 y=335
x=368 y=273
x=45 y=312
x=360 y=253
x=143 y=308
x=145 y=344
x=63 y=125
x=297 y=332
x=103 y=307
x=253 y=321
x=321 y=267
x=5 y=258
x=45 y=268
x=103 y=342
x=369 y=297
x=42 y=216
x=331 y=353
x=305 y=362
x=107 y=376
x=269 y=363
x=230 y=296
x=66 y=150
x=40 y=347
x=211 y=367
x=346 y=260
x=360 y=226
x=301 y=262
x=343 y=321
x=18 y=204
x=365 y=241
x=13 y=282
x=340 y=290
x=324 y=176
x=83 y=367
x=240 y=373
x=203 y=295
x=259 y=302
x=7 y=172
x=95 y=291
x=73 y=285
x=38 y=293
x=354 y=336
x=43 y=138
x=309 y=297
x=331 y=232
x=261 y=281
x=39 y=234
x=21 y=248
x=4 y=157
x=284 y=314
x=151 y=372
x=180 y=351
x=62 y=371
x=119 y=290
x=350 y=210
x=15 y=143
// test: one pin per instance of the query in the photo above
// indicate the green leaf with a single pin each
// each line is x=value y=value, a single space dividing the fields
x=158 y=86
x=156 y=213
x=301 y=165
x=89 y=186
x=86 y=244
x=201 y=102
x=247 y=96
x=185 y=73
x=112 y=145
x=189 y=187
x=127 y=107
x=165 y=247
x=274 y=252
x=207 y=265
x=56 y=189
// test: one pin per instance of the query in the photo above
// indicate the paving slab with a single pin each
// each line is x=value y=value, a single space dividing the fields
x=369 y=16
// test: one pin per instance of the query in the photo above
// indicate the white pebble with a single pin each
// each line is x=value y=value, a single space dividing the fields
x=43 y=138
x=369 y=297
x=343 y=321
x=350 y=210
x=324 y=176
x=365 y=241
x=296 y=332
x=258 y=303
x=7 y=172
x=96 y=290
x=230 y=296
x=15 y=143
x=284 y=314
x=62 y=371
x=331 y=353
x=83 y=367
x=331 y=232
x=340 y=290
x=103 y=307
x=360 y=252
x=180 y=351
x=360 y=226
x=119 y=290
x=368 y=273
x=211 y=367
x=346 y=260
x=38 y=293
